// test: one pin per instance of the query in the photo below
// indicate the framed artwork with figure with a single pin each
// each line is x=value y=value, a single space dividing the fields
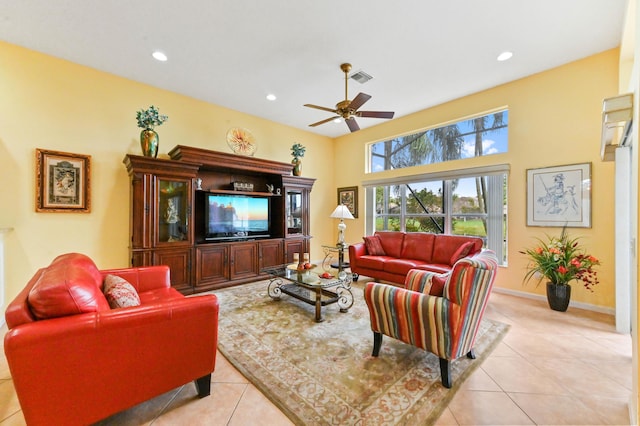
x=559 y=196
x=62 y=182
x=349 y=197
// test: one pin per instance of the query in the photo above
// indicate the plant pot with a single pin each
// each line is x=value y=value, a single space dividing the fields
x=558 y=296
x=149 y=142
x=297 y=166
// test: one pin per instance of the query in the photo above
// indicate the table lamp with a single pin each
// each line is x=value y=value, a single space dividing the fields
x=341 y=212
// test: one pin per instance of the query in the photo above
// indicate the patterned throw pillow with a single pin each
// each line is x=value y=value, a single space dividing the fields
x=119 y=292
x=462 y=252
x=374 y=246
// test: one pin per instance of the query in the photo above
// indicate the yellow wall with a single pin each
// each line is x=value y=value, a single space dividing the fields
x=554 y=119
x=53 y=104
x=57 y=105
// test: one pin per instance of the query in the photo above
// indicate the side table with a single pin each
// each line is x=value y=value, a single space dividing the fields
x=339 y=249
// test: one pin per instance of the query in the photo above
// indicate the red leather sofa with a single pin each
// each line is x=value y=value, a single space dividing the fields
x=74 y=360
x=398 y=252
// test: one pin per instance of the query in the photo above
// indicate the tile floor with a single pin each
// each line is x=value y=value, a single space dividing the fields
x=551 y=368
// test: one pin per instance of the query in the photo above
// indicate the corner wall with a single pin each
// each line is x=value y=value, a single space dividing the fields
x=554 y=119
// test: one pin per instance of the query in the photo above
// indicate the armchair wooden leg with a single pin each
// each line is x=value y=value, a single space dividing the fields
x=471 y=354
x=203 y=386
x=445 y=372
x=377 y=342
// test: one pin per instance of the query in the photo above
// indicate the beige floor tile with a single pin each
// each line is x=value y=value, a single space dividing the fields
x=556 y=409
x=213 y=410
x=15 y=420
x=142 y=414
x=519 y=375
x=610 y=411
x=480 y=381
x=486 y=408
x=255 y=408
x=225 y=372
x=446 y=419
x=9 y=404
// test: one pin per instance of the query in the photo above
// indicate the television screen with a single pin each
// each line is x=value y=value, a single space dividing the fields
x=236 y=216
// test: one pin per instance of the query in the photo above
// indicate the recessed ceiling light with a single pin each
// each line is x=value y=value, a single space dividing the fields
x=505 y=56
x=158 y=55
x=271 y=97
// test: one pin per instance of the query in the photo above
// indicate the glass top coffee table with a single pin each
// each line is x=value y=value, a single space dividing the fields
x=309 y=287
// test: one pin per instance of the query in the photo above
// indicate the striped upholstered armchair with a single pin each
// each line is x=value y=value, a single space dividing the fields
x=444 y=324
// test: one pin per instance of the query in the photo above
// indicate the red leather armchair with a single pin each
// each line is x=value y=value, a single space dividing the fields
x=74 y=360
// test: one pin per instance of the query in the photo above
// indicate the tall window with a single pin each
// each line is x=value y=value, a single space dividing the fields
x=483 y=135
x=472 y=204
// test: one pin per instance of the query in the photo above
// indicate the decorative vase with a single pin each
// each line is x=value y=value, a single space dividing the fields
x=558 y=296
x=149 y=142
x=297 y=166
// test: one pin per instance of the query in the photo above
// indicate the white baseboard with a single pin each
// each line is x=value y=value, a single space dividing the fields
x=578 y=305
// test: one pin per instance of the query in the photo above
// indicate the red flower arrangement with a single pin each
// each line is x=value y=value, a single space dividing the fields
x=560 y=261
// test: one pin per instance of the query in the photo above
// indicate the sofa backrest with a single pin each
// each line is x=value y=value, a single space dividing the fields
x=71 y=285
x=418 y=245
x=445 y=246
x=391 y=242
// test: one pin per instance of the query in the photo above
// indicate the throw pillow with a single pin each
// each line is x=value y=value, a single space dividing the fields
x=437 y=284
x=119 y=292
x=462 y=251
x=374 y=246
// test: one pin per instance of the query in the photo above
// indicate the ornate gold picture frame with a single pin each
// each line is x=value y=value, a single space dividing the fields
x=62 y=182
x=349 y=197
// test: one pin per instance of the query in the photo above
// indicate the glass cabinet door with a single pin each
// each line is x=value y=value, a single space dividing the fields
x=294 y=212
x=172 y=206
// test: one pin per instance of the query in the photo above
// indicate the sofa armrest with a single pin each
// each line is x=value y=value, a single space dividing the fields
x=144 y=278
x=136 y=353
x=355 y=251
x=419 y=280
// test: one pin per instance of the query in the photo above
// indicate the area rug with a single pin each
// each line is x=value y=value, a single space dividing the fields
x=323 y=373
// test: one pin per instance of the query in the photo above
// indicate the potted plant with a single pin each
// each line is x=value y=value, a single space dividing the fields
x=560 y=260
x=297 y=151
x=147 y=120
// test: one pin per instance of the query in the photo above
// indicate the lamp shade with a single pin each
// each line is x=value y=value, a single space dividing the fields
x=342 y=212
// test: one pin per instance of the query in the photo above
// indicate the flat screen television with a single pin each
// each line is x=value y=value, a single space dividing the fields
x=232 y=217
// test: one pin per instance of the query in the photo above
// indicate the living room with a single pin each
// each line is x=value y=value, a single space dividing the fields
x=50 y=103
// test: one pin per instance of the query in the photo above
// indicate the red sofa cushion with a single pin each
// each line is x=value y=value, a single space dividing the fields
x=391 y=242
x=70 y=285
x=463 y=251
x=373 y=262
x=418 y=245
x=446 y=245
x=374 y=246
x=402 y=266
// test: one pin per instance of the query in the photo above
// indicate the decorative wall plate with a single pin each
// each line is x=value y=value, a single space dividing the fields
x=241 y=141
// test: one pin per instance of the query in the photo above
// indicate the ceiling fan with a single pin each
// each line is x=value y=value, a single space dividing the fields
x=349 y=109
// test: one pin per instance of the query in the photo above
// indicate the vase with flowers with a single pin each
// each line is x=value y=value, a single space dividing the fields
x=147 y=120
x=561 y=260
x=297 y=151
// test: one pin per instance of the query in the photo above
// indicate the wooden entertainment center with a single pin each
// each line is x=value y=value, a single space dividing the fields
x=169 y=227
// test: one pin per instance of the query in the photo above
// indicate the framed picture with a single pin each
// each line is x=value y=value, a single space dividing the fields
x=559 y=196
x=62 y=182
x=349 y=197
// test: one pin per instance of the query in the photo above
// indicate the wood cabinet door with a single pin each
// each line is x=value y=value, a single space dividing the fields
x=243 y=260
x=270 y=253
x=213 y=264
x=179 y=262
x=292 y=246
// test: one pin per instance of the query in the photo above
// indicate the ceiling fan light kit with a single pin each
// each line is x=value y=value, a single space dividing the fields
x=348 y=109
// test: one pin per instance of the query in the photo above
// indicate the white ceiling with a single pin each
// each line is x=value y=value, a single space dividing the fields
x=233 y=53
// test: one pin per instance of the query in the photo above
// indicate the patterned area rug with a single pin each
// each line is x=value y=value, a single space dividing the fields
x=323 y=373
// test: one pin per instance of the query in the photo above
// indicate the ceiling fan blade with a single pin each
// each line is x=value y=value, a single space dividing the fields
x=359 y=100
x=322 y=122
x=375 y=114
x=353 y=126
x=320 y=107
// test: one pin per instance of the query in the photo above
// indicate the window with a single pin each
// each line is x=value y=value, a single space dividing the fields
x=471 y=202
x=482 y=135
